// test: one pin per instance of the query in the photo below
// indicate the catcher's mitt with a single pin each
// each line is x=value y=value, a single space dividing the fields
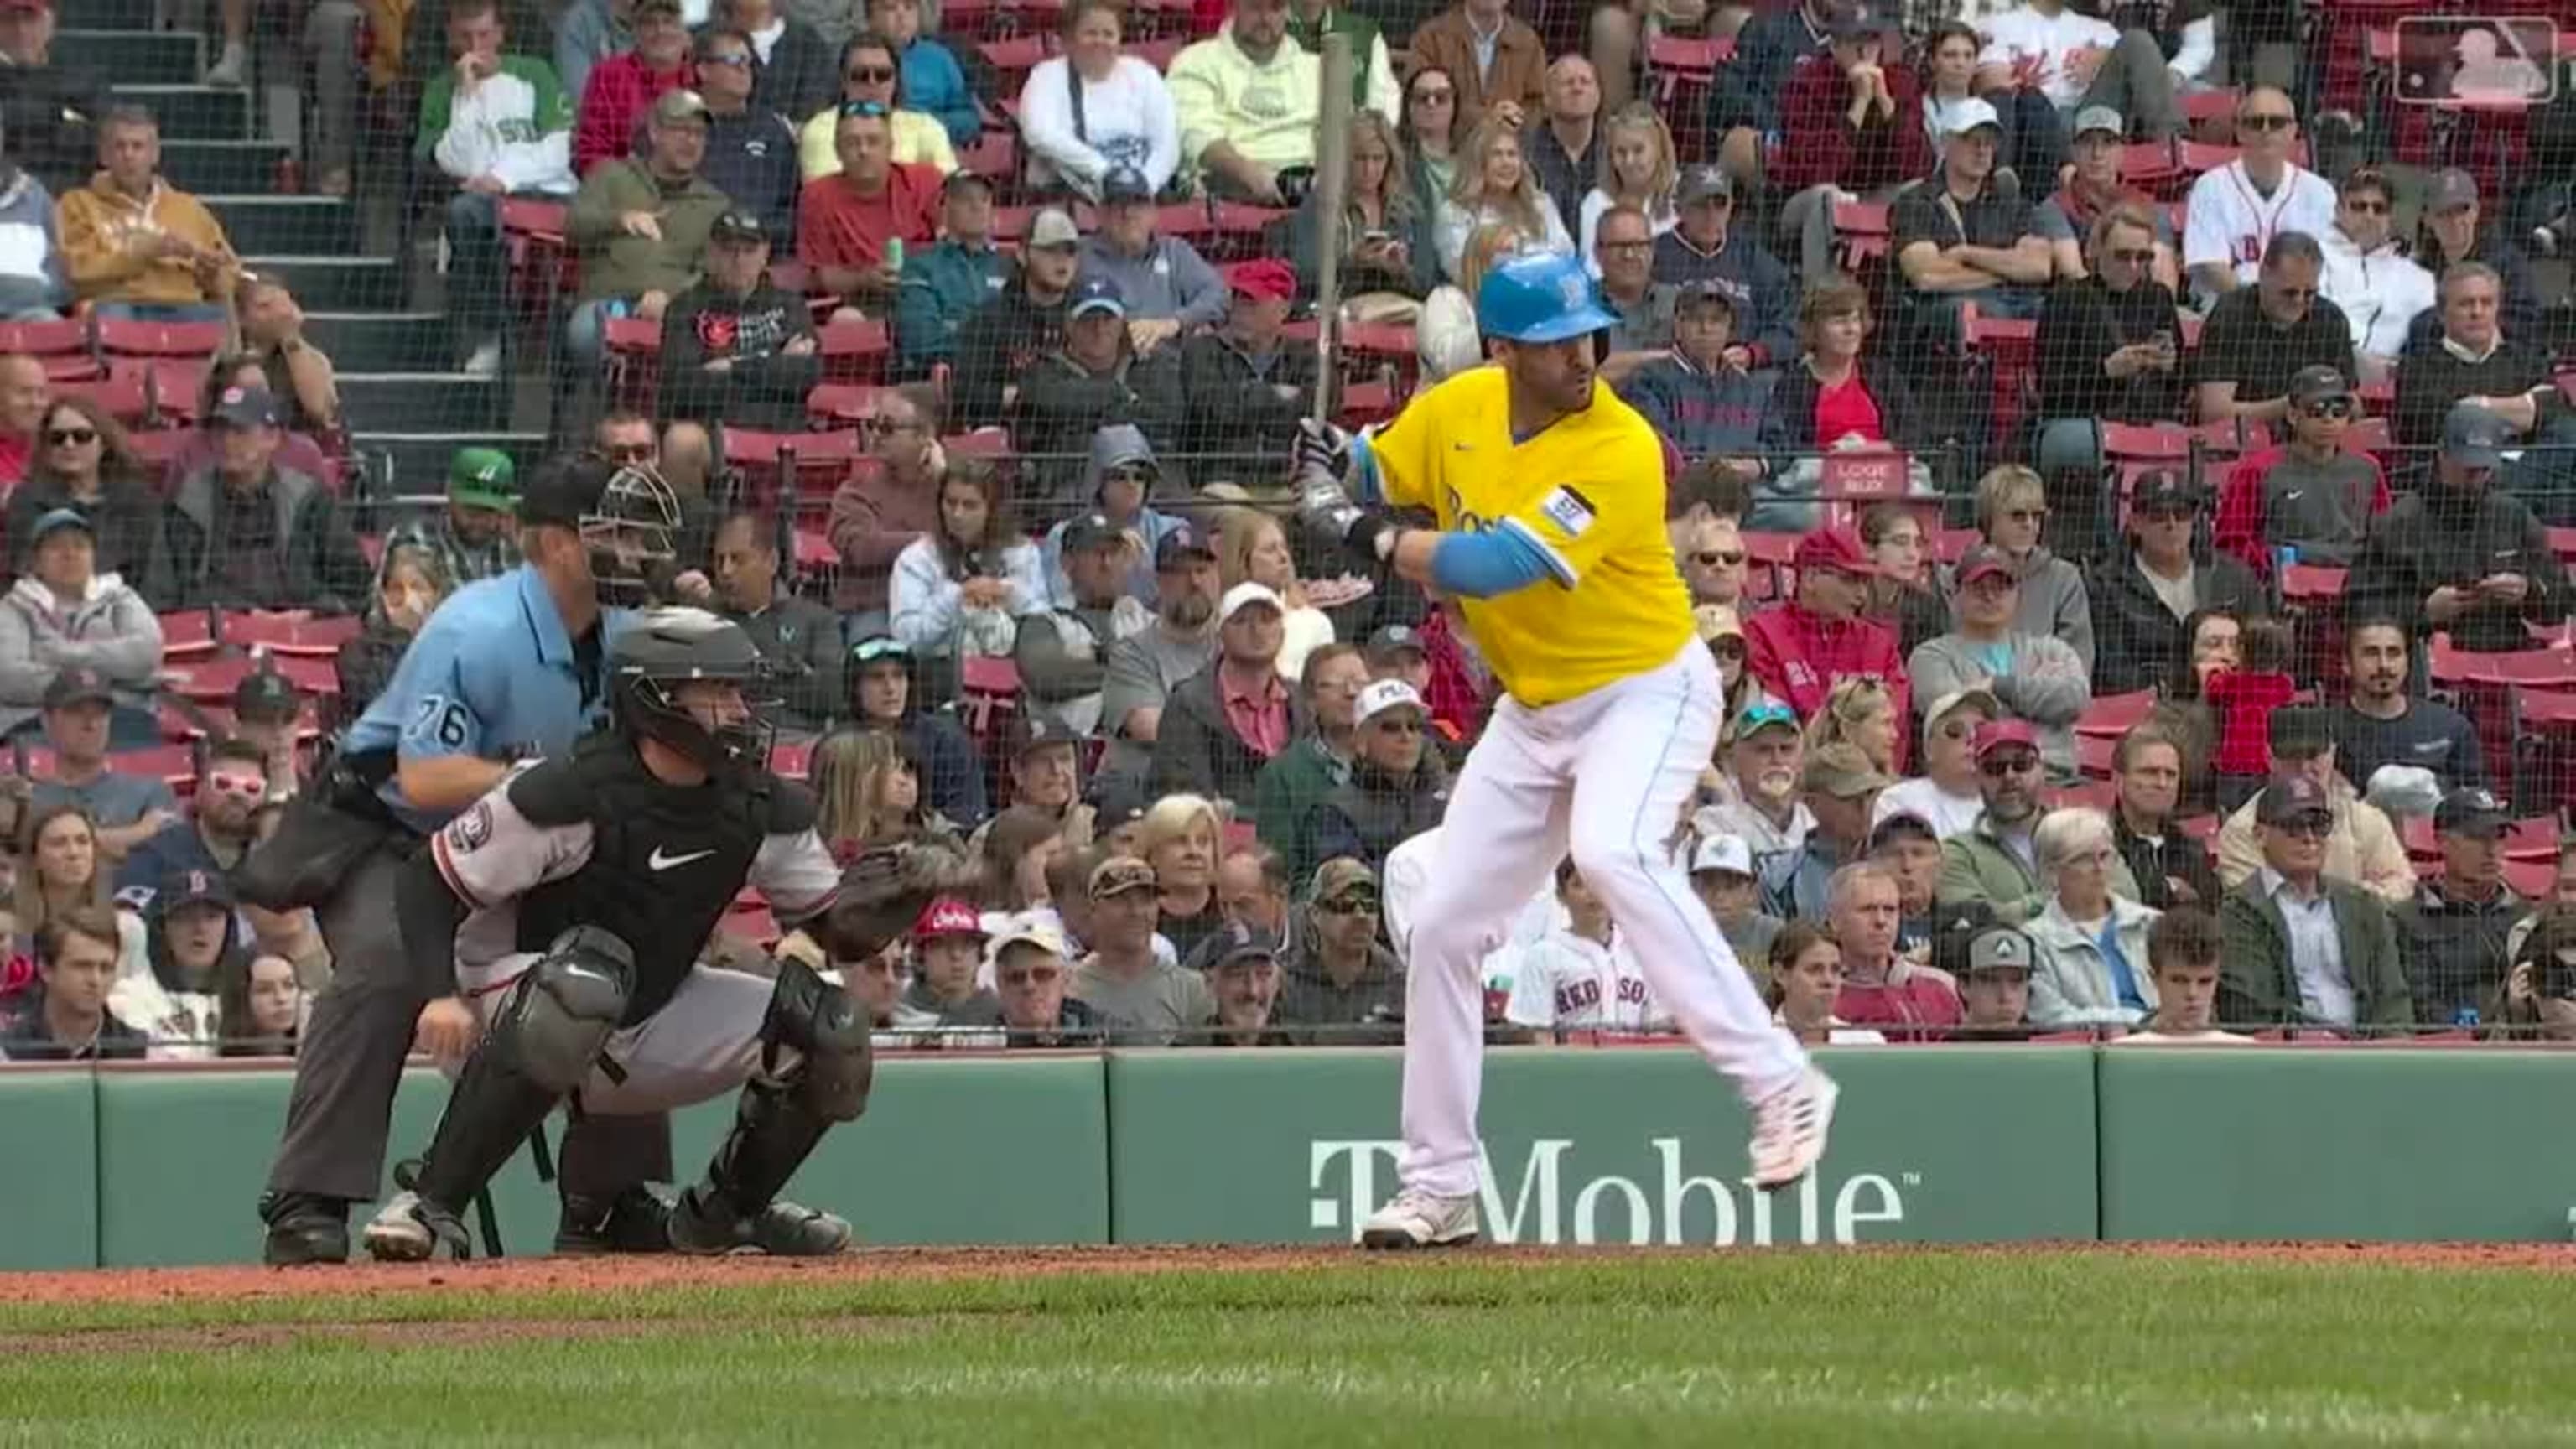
x=884 y=891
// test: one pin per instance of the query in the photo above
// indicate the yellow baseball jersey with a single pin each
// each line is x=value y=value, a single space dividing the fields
x=1589 y=491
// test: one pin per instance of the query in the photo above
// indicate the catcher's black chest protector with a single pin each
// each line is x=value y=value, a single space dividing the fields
x=665 y=862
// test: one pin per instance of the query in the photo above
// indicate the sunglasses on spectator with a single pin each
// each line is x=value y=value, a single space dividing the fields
x=2136 y=257
x=1726 y=648
x=628 y=452
x=2308 y=827
x=1710 y=558
x=1438 y=96
x=1765 y=714
x=1996 y=767
x=869 y=651
x=1357 y=903
x=2266 y=121
x=2367 y=208
x=226 y=782
x=77 y=436
x=2333 y=407
x=1032 y=976
x=868 y=75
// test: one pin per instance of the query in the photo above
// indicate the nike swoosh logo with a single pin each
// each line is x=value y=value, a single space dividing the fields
x=2294 y=495
x=659 y=861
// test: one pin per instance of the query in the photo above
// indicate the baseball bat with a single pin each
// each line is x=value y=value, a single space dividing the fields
x=1332 y=194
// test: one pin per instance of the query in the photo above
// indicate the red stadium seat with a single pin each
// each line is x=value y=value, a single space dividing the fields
x=62 y=346
x=2113 y=715
x=187 y=634
x=854 y=350
x=123 y=398
x=817 y=461
x=842 y=404
x=212 y=681
x=160 y=339
x=792 y=760
x=290 y=634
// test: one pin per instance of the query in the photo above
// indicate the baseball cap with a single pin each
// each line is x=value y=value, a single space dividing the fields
x=2318 y=382
x=1083 y=531
x=1982 y=700
x=2298 y=732
x=1703 y=292
x=743 y=228
x=681 y=104
x=1717 y=621
x=2099 y=118
x=1053 y=227
x=1760 y=715
x=2474 y=812
x=1120 y=874
x=1392 y=640
x=1983 y=561
x=947 y=916
x=60 y=518
x=1999 y=948
x=2291 y=798
x=1968 y=115
x=668 y=7
x=1125 y=183
x=1183 y=542
x=878 y=648
x=1116 y=800
x=1097 y=294
x=2163 y=490
x=244 y=407
x=1842 y=771
x=1721 y=853
x=1342 y=878
x=965 y=178
x=77 y=684
x=1904 y=824
x=1035 y=730
x=1267 y=280
x=1248 y=595
x=1996 y=734
x=2473 y=437
x=1835 y=550
x=1029 y=928
x=1701 y=183
x=1383 y=695
x=193 y=887
x=1851 y=22
x=1232 y=944
x=483 y=478
x=2451 y=190
x=267 y=694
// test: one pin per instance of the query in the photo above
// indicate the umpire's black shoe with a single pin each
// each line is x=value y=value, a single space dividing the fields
x=304 y=1227
x=635 y=1221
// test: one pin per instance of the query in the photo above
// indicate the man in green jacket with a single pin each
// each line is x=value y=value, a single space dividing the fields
x=1373 y=83
x=2304 y=948
x=1306 y=773
x=946 y=283
x=1994 y=863
x=640 y=225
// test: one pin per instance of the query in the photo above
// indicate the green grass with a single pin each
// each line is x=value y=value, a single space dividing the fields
x=1864 y=1350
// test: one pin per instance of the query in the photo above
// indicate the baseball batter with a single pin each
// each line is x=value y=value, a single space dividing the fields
x=1549 y=492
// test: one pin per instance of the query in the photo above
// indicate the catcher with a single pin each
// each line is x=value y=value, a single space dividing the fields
x=560 y=918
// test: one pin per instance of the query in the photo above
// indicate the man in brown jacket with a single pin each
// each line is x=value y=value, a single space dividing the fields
x=1514 y=84
x=889 y=499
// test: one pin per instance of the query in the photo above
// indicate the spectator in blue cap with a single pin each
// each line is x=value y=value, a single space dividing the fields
x=62 y=614
x=1170 y=289
x=1095 y=379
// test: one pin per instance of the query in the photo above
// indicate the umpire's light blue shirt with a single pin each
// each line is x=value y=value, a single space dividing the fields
x=492 y=675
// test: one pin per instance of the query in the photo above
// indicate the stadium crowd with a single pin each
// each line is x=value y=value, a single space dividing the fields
x=2113 y=458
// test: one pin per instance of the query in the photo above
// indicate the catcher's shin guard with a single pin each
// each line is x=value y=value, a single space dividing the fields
x=780 y=1120
x=541 y=1046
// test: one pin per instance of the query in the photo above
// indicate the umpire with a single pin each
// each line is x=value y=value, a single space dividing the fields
x=508 y=668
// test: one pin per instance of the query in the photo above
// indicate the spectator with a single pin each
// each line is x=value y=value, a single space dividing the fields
x=409 y=587
x=1496 y=63
x=2037 y=677
x=2539 y=996
x=1179 y=837
x=2385 y=723
x=476 y=536
x=61 y=867
x=68 y=1018
x=62 y=614
x=2475 y=360
x=1334 y=974
x=1964 y=242
x=1431 y=130
x=795 y=74
x=1565 y=147
x=248 y=533
x=1062 y=652
x=1303 y=776
x=1711 y=553
x=2184 y=952
x=2362 y=848
x=1950 y=50
x=2171 y=868
x=85 y=465
x=2071 y=215
x=25 y=394
x=1583 y=976
x=1881 y=988
x=622 y=88
x=2258 y=340
x=1746 y=105
x=2310 y=497
x=751 y=150
x=1905 y=597
x=943 y=286
x=1446 y=338
x=1830 y=399
x=1945 y=796
x=1700 y=394
x=1015 y=850
x=1122 y=475
x=2379 y=288
x=1905 y=844
x=1804 y=976
x=2012 y=511
x=870 y=76
x=1246 y=386
x=193 y=938
x=1253 y=548
x=1397 y=788
x=496 y=125
x=799 y=640
x=33 y=283
x=1016 y=328
x=1045 y=768
x=1723 y=879
x=947 y=947
x=1800 y=651
x=2448 y=235
x=2141 y=604
x=232 y=780
x=882 y=699
x=867 y=792
x=1840 y=785
x=1703 y=246
x=1994 y=966
x=1995 y=863
x=48 y=111
x=259 y=1007
x=640 y=225
x=2106 y=353
x=2305 y=946
x=1242 y=972
x=2089 y=945
x=1097 y=378
x=125 y=809
x=268 y=715
x=890 y=500
x=1851 y=126
x=138 y=248
x=852 y=224
x=2462 y=555
x=1139 y=998
x=1638 y=171
x=2235 y=216
x=1388 y=258
x=736 y=348
x=2452 y=936
x=1146 y=667
x=1252 y=892
x=2241 y=703
x=2042 y=50
x=1373 y=77
x=1859 y=712
x=959 y=589
x=1494 y=186
x=586 y=33
x=1245 y=101
x=296 y=372
x=1094 y=110
x=1168 y=288
x=1227 y=721
x=1642 y=309
x=1029 y=975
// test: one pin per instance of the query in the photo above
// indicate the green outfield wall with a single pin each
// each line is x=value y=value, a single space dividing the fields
x=130 y=1165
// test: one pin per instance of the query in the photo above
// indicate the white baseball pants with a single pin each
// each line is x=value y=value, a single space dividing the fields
x=1603 y=775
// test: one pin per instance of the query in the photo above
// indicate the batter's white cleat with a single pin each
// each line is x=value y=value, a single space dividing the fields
x=1418 y=1219
x=1789 y=1129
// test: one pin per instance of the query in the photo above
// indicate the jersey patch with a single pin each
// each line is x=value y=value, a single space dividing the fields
x=1568 y=510
x=472 y=830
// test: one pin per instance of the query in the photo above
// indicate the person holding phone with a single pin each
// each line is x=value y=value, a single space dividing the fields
x=2462 y=556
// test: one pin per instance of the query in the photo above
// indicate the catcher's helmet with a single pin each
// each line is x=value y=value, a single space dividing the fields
x=1540 y=297
x=661 y=650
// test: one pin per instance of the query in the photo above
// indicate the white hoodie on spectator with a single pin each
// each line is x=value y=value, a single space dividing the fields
x=110 y=629
x=1126 y=120
x=932 y=617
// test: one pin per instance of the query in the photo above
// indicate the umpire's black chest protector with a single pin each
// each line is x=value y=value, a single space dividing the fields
x=665 y=862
